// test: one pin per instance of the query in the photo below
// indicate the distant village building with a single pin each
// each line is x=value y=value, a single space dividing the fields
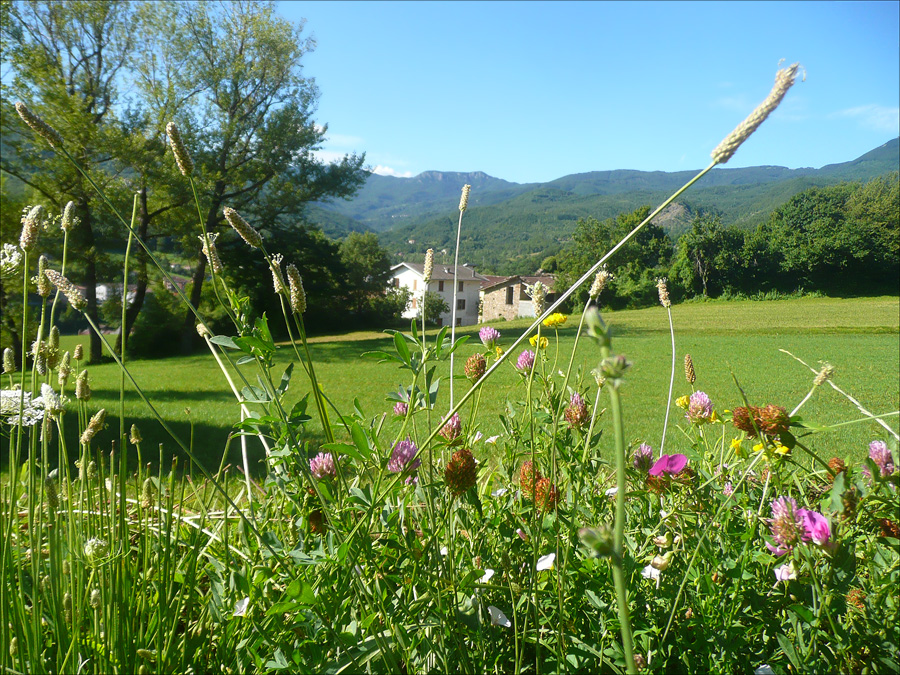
x=505 y=297
x=409 y=275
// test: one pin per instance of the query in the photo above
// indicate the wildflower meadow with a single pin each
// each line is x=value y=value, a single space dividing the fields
x=409 y=541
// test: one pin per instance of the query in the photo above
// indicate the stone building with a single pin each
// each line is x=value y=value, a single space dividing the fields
x=505 y=297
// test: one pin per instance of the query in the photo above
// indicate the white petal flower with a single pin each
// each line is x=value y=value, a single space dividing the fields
x=612 y=492
x=498 y=618
x=443 y=550
x=545 y=562
x=499 y=492
x=488 y=573
x=492 y=439
x=478 y=437
x=240 y=607
x=650 y=572
x=764 y=669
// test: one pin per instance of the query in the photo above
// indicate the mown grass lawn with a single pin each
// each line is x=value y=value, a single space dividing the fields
x=727 y=341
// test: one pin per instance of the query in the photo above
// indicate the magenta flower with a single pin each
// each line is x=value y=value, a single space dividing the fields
x=322 y=466
x=816 y=526
x=881 y=455
x=700 y=408
x=728 y=489
x=643 y=457
x=452 y=428
x=671 y=464
x=489 y=336
x=525 y=362
x=403 y=457
x=577 y=413
x=400 y=409
x=788 y=526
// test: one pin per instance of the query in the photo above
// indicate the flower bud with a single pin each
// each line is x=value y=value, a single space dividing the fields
x=39 y=126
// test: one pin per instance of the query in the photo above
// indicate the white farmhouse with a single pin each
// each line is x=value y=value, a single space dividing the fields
x=409 y=275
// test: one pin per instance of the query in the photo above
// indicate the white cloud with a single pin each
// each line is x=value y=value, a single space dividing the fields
x=873 y=116
x=388 y=171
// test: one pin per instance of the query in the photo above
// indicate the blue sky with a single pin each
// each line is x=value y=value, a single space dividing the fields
x=531 y=91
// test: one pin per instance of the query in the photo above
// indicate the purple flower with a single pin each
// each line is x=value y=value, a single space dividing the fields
x=816 y=526
x=699 y=408
x=489 y=336
x=452 y=428
x=577 y=413
x=322 y=466
x=670 y=464
x=403 y=457
x=788 y=526
x=881 y=455
x=784 y=573
x=643 y=457
x=728 y=489
x=525 y=361
x=400 y=409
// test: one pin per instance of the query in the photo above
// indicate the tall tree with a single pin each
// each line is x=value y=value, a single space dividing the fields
x=66 y=58
x=368 y=267
x=250 y=126
x=635 y=266
x=709 y=258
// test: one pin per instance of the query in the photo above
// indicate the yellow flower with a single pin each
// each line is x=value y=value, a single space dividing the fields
x=781 y=449
x=713 y=418
x=555 y=320
x=759 y=447
x=683 y=402
x=498 y=351
x=534 y=342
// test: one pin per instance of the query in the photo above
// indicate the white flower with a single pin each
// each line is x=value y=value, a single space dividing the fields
x=498 y=618
x=612 y=492
x=650 y=572
x=764 y=669
x=477 y=437
x=785 y=572
x=10 y=261
x=488 y=573
x=52 y=402
x=499 y=492
x=32 y=411
x=443 y=550
x=240 y=607
x=545 y=562
x=492 y=439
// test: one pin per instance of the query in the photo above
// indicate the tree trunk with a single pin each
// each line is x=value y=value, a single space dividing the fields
x=90 y=282
x=188 y=329
x=134 y=309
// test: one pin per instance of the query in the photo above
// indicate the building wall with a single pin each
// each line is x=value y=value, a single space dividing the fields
x=470 y=293
x=495 y=306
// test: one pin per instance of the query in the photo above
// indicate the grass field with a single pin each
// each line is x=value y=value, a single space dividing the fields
x=859 y=337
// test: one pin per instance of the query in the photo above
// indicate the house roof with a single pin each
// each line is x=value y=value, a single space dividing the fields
x=441 y=272
x=492 y=282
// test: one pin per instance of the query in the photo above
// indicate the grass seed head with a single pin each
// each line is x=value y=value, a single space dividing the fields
x=464 y=198
x=298 y=295
x=82 y=388
x=41 y=281
x=784 y=80
x=600 y=280
x=78 y=354
x=9 y=360
x=277 y=283
x=242 y=227
x=689 y=374
x=212 y=255
x=68 y=218
x=70 y=290
x=39 y=126
x=94 y=426
x=31 y=224
x=428 y=268
x=182 y=157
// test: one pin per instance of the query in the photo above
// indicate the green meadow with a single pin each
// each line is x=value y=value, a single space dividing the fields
x=733 y=341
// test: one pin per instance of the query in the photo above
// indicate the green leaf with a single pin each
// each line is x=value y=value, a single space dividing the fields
x=285 y=379
x=253 y=394
x=342 y=448
x=803 y=613
x=402 y=349
x=789 y=651
x=225 y=341
x=361 y=440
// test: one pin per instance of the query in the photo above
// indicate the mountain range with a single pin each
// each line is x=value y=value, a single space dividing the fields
x=509 y=228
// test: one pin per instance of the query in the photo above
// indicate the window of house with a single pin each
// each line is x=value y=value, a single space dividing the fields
x=440 y=322
x=441 y=286
x=509 y=295
x=395 y=282
x=458 y=321
x=460 y=287
x=461 y=303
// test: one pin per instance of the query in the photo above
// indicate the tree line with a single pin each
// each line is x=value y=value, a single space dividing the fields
x=838 y=240
x=109 y=76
